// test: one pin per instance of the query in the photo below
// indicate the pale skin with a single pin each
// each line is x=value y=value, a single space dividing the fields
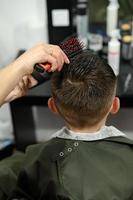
x=115 y=106
x=16 y=79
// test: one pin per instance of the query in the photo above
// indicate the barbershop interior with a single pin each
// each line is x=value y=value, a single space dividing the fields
x=27 y=120
x=105 y=27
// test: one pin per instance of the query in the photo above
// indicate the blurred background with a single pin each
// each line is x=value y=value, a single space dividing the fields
x=23 y=23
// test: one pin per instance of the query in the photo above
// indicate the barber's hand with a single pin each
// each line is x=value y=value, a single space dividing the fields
x=42 y=53
x=21 y=89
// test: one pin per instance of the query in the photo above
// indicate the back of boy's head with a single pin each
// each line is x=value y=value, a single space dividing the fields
x=83 y=91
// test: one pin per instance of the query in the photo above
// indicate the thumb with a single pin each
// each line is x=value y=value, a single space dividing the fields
x=31 y=81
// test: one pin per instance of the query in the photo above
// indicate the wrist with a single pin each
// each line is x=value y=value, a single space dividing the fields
x=18 y=68
x=22 y=67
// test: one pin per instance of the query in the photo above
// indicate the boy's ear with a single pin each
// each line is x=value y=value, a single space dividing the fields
x=115 y=105
x=52 y=106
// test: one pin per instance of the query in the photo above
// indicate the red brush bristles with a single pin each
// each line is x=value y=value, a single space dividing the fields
x=72 y=46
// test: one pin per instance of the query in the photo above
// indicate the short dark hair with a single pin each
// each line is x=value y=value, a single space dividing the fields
x=84 y=89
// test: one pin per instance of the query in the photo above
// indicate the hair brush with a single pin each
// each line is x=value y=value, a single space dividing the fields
x=71 y=46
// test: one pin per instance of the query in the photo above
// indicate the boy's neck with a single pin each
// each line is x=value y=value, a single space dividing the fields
x=87 y=129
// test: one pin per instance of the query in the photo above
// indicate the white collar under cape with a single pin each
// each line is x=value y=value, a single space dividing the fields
x=104 y=132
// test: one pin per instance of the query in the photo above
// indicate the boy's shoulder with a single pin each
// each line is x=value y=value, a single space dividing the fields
x=45 y=150
x=54 y=148
x=121 y=140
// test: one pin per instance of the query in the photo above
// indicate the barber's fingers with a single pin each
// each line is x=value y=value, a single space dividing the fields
x=31 y=82
x=52 y=54
x=18 y=91
x=60 y=57
x=55 y=63
x=25 y=81
x=57 y=51
x=42 y=53
x=22 y=87
x=59 y=62
x=65 y=57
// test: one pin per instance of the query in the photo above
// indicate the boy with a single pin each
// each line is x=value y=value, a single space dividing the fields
x=85 y=160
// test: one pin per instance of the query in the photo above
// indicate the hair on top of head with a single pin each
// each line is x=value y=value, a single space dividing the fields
x=84 y=89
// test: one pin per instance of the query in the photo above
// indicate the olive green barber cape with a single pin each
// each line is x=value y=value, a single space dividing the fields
x=9 y=170
x=77 y=170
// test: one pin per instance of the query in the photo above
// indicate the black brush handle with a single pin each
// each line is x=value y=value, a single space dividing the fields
x=39 y=68
x=40 y=74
